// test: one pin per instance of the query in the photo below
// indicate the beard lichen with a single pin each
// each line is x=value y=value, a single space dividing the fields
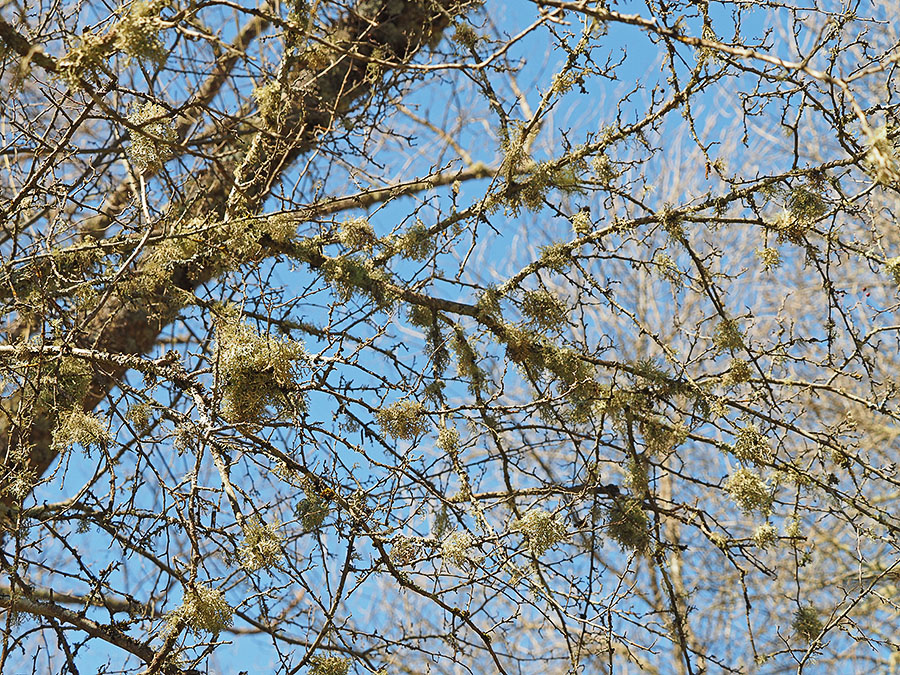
x=749 y=491
x=203 y=610
x=404 y=420
x=258 y=371
x=628 y=525
x=151 y=145
x=261 y=547
x=77 y=427
x=542 y=530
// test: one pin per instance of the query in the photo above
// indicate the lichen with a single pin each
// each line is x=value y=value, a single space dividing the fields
x=151 y=144
x=542 y=530
x=262 y=545
x=203 y=610
x=258 y=372
x=403 y=419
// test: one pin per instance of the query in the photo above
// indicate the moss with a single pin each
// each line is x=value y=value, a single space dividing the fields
x=405 y=550
x=467 y=361
x=765 y=535
x=85 y=60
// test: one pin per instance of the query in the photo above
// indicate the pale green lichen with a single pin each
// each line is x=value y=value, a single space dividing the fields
x=456 y=549
x=769 y=257
x=329 y=665
x=151 y=143
x=542 y=529
x=581 y=222
x=728 y=336
x=404 y=550
x=751 y=446
x=807 y=623
x=448 y=440
x=77 y=427
x=357 y=234
x=262 y=545
x=403 y=419
x=628 y=525
x=257 y=372
x=749 y=491
x=203 y=610
x=765 y=535
x=545 y=310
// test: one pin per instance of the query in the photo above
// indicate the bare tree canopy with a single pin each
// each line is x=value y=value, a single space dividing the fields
x=449 y=336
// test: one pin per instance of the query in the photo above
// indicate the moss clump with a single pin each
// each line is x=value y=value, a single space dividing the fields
x=404 y=420
x=257 y=372
x=542 y=530
x=203 y=610
x=77 y=427
x=150 y=145
x=261 y=547
x=545 y=310
x=749 y=491
x=628 y=525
